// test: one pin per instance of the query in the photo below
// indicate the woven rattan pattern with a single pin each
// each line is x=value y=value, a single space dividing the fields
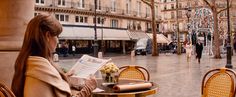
x=219 y=85
x=132 y=73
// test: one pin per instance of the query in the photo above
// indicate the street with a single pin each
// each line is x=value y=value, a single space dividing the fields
x=174 y=75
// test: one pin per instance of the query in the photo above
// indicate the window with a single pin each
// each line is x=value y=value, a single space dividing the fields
x=172 y=6
x=99 y=20
x=164 y=1
x=180 y=14
x=128 y=24
x=139 y=8
x=81 y=19
x=61 y=2
x=99 y=7
x=172 y=15
x=39 y=2
x=81 y=4
x=114 y=23
x=180 y=5
x=147 y=12
x=62 y=17
x=165 y=7
x=134 y=25
x=139 y=26
x=156 y=11
x=76 y=19
x=113 y=5
x=128 y=6
x=188 y=4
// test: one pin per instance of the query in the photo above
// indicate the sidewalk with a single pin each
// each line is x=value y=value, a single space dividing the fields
x=175 y=76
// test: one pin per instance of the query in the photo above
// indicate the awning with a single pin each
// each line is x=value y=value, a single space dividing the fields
x=135 y=35
x=86 y=33
x=160 y=38
x=112 y=34
x=77 y=33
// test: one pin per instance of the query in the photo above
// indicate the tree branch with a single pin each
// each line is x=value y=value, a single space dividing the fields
x=208 y=3
x=146 y=2
x=221 y=10
x=225 y=8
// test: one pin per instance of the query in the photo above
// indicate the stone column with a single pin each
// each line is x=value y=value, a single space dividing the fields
x=14 y=16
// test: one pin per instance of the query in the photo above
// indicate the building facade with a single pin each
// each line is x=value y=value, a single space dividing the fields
x=192 y=13
x=119 y=23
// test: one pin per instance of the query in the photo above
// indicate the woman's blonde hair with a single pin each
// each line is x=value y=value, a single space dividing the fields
x=34 y=44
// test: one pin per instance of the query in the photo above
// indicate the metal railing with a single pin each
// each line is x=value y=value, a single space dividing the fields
x=91 y=7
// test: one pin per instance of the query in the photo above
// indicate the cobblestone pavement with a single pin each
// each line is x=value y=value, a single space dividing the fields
x=175 y=76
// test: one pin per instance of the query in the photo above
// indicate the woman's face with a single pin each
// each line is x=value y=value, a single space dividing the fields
x=53 y=40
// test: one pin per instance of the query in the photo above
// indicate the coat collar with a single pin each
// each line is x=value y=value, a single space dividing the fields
x=40 y=68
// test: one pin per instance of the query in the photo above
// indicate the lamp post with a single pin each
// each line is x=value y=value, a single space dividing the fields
x=95 y=45
x=102 y=42
x=229 y=55
x=188 y=14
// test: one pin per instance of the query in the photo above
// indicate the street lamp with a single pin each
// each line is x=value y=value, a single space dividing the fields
x=95 y=45
x=102 y=42
x=229 y=55
x=188 y=14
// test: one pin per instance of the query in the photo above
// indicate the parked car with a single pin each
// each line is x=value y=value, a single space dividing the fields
x=143 y=46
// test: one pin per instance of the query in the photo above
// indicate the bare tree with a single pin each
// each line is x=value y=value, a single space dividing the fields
x=216 y=9
x=154 y=42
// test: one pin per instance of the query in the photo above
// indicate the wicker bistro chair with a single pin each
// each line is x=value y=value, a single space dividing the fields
x=134 y=72
x=219 y=83
x=5 y=91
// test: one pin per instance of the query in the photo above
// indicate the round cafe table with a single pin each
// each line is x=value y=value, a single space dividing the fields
x=109 y=92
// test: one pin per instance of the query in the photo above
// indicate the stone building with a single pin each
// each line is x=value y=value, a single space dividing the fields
x=119 y=23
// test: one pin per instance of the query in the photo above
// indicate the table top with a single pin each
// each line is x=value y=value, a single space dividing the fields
x=109 y=91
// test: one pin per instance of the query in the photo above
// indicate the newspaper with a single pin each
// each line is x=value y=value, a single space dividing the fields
x=87 y=65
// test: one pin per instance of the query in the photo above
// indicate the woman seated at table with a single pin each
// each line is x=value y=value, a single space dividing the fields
x=35 y=73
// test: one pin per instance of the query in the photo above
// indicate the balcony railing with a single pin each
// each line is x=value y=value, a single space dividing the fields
x=91 y=7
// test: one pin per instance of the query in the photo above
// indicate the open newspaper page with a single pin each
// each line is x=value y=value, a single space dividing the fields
x=87 y=65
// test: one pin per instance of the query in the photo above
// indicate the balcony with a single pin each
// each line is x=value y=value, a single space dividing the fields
x=88 y=9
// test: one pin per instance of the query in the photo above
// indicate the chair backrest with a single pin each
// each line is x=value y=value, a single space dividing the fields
x=219 y=83
x=5 y=91
x=134 y=72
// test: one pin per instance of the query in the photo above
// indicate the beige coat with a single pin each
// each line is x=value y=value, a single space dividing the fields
x=43 y=80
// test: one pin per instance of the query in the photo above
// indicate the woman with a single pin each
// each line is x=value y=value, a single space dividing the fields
x=35 y=73
x=188 y=48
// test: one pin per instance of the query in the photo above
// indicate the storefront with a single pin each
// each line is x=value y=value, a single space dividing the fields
x=109 y=40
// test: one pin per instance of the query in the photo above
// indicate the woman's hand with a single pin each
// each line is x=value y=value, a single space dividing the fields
x=91 y=82
x=69 y=74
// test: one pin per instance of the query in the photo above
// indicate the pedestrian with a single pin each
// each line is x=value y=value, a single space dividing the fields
x=199 y=48
x=36 y=75
x=188 y=48
x=73 y=50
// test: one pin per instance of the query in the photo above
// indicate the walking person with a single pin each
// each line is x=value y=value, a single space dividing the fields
x=188 y=48
x=199 y=48
x=36 y=75
x=73 y=50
